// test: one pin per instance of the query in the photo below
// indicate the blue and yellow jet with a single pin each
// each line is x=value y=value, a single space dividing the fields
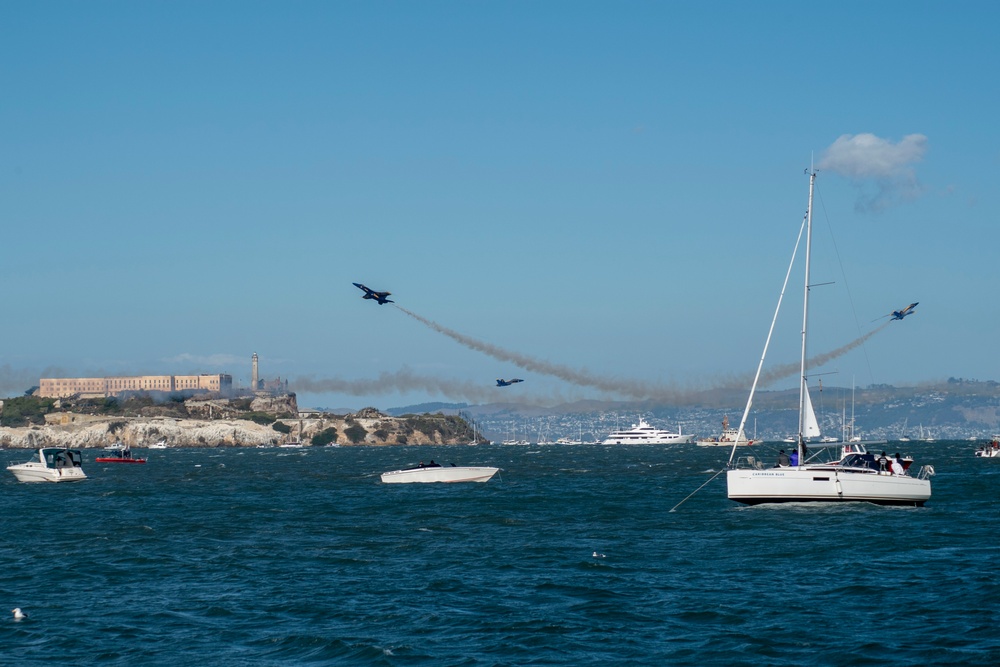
x=372 y=294
x=900 y=314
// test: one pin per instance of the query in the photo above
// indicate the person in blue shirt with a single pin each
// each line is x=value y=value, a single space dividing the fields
x=794 y=457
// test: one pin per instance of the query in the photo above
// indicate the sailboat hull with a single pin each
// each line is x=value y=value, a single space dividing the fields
x=824 y=484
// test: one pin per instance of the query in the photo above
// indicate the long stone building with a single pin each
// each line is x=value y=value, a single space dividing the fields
x=113 y=386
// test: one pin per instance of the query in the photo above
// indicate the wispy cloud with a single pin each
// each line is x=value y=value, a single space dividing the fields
x=209 y=360
x=881 y=170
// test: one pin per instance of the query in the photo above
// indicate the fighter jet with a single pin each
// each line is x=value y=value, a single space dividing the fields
x=506 y=383
x=900 y=314
x=372 y=294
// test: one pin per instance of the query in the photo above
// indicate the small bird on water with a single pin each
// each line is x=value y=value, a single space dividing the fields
x=18 y=614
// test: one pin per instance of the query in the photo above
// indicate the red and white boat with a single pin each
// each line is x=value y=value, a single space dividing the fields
x=991 y=449
x=119 y=453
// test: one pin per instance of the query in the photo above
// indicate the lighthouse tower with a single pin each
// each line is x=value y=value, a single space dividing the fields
x=254 y=381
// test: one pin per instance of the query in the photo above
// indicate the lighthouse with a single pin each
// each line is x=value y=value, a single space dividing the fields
x=254 y=381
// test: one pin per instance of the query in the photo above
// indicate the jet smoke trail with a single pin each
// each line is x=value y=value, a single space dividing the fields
x=790 y=369
x=631 y=388
x=16 y=382
x=405 y=380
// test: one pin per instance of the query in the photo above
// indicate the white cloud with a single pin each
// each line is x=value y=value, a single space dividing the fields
x=882 y=171
x=209 y=360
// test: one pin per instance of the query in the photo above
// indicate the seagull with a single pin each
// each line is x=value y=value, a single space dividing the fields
x=18 y=614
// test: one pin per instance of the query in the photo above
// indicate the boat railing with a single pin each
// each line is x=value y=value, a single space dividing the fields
x=926 y=472
x=749 y=462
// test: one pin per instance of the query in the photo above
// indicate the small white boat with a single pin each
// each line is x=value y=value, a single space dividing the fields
x=729 y=437
x=991 y=449
x=644 y=434
x=50 y=464
x=439 y=473
x=160 y=444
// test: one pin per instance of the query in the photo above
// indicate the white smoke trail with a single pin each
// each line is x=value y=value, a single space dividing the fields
x=581 y=378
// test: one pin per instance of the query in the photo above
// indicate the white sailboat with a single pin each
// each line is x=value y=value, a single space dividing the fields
x=856 y=477
x=905 y=437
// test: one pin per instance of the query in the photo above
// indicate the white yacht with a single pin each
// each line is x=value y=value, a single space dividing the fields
x=50 y=464
x=855 y=477
x=644 y=434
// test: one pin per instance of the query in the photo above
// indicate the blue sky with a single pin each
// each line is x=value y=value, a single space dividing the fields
x=608 y=188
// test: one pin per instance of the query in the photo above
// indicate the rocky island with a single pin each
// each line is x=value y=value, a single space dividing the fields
x=208 y=420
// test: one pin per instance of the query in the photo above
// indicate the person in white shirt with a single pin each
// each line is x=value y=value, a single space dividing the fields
x=897 y=466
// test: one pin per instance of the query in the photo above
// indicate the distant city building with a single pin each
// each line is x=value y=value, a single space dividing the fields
x=113 y=386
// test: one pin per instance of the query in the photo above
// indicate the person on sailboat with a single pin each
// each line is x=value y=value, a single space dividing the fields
x=883 y=462
x=794 y=457
x=782 y=460
x=897 y=466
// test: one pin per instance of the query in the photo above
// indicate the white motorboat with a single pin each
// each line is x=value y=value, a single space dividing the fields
x=160 y=444
x=728 y=438
x=991 y=449
x=644 y=434
x=50 y=464
x=855 y=477
x=439 y=473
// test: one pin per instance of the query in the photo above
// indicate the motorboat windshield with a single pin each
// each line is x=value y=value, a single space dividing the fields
x=61 y=458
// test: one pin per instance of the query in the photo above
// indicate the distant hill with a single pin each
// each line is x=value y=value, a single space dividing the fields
x=421 y=408
x=953 y=409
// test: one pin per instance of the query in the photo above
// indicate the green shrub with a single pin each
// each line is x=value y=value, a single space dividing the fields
x=24 y=410
x=325 y=437
x=355 y=433
x=262 y=418
x=281 y=427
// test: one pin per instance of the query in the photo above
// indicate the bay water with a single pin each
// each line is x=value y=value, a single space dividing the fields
x=571 y=555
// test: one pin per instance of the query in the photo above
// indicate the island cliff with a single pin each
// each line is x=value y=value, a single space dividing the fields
x=213 y=421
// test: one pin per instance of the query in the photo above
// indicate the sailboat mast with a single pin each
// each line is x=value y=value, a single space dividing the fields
x=805 y=321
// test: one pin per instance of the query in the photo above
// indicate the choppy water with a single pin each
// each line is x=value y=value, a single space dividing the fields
x=278 y=557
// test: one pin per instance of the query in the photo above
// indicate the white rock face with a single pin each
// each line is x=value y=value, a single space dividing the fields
x=142 y=433
x=82 y=431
